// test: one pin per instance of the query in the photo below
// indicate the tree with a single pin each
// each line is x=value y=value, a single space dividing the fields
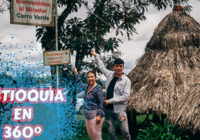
x=82 y=35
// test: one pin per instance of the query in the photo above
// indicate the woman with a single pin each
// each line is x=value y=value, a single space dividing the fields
x=93 y=105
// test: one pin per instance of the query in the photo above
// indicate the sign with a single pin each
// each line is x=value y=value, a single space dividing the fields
x=32 y=12
x=26 y=113
x=57 y=57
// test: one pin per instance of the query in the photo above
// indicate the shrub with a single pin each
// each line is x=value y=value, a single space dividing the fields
x=162 y=132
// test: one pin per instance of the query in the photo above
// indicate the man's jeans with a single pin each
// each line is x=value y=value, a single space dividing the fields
x=111 y=118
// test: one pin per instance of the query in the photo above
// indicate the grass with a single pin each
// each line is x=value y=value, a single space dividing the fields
x=146 y=130
x=105 y=135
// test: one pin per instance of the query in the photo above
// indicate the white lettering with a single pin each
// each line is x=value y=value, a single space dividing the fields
x=33 y=95
x=17 y=113
x=59 y=96
x=23 y=93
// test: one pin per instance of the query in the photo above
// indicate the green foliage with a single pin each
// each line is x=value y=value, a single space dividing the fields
x=147 y=131
x=107 y=59
x=84 y=136
x=162 y=132
x=82 y=131
x=82 y=35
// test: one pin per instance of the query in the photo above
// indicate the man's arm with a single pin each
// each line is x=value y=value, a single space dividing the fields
x=100 y=65
x=124 y=97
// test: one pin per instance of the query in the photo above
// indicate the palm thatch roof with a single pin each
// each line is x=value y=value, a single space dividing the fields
x=188 y=111
x=170 y=67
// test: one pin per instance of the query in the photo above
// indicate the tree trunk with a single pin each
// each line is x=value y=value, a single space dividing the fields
x=79 y=60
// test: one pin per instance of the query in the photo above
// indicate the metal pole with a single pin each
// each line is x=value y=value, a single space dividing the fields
x=56 y=34
x=57 y=68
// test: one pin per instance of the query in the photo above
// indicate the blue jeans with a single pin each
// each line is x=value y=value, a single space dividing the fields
x=111 y=118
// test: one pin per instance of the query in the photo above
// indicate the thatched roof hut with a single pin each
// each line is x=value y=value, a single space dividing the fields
x=164 y=75
x=187 y=113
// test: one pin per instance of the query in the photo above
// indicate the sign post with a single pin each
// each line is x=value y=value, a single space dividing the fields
x=56 y=34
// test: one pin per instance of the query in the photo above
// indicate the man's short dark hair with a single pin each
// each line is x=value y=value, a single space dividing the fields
x=118 y=61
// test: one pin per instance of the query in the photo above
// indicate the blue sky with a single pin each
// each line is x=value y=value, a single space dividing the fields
x=20 y=49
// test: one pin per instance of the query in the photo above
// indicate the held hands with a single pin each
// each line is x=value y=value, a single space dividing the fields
x=98 y=119
x=93 y=52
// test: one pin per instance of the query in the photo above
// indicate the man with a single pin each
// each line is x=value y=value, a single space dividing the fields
x=118 y=87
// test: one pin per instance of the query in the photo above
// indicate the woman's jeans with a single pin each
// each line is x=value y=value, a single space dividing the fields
x=94 y=130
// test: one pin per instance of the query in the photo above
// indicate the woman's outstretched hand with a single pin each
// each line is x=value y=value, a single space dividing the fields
x=75 y=71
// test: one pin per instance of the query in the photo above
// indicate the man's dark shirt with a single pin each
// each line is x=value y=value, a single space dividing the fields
x=110 y=91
